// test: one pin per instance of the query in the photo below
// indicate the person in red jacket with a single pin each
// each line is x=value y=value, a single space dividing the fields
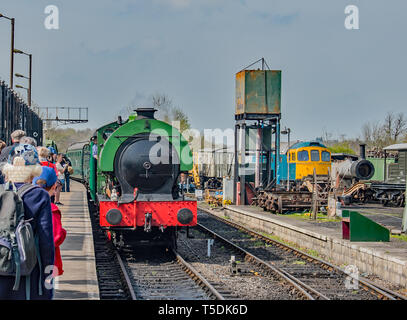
x=44 y=155
x=47 y=180
x=59 y=237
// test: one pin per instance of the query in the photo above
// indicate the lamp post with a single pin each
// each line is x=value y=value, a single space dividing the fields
x=21 y=87
x=287 y=132
x=18 y=75
x=29 y=76
x=12 y=20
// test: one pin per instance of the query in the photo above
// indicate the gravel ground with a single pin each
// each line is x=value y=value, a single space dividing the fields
x=328 y=282
x=156 y=275
x=248 y=285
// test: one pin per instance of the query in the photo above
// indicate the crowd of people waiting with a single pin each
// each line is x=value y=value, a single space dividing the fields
x=35 y=175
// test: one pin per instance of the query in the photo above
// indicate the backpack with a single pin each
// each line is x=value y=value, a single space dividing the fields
x=49 y=165
x=19 y=250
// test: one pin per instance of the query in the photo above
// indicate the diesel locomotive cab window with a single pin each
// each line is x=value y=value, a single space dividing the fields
x=303 y=155
x=314 y=155
x=326 y=156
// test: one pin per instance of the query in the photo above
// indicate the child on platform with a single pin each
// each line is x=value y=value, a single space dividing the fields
x=47 y=180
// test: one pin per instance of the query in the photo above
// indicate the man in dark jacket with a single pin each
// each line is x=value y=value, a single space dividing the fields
x=37 y=206
x=15 y=139
x=67 y=173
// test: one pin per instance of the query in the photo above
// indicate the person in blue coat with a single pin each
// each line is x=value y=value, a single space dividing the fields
x=23 y=165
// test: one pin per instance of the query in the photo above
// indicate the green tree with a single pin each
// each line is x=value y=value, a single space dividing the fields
x=169 y=113
x=67 y=136
x=342 y=147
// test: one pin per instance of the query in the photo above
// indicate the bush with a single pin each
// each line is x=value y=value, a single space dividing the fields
x=342 y=147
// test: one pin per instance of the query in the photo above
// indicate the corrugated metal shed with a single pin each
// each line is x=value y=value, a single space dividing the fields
x=396 y=147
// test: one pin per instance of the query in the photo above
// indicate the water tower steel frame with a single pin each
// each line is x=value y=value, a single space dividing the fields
x=258 y=101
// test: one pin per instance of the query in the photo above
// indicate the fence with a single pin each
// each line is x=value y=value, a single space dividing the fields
x=15 y=114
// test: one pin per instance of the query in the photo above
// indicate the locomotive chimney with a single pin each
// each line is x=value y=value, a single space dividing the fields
x=145 y=113
x=362 y=150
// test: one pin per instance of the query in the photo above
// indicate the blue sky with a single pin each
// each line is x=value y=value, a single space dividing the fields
x=110 y=53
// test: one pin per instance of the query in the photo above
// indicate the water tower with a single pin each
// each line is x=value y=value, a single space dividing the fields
x=257 y=129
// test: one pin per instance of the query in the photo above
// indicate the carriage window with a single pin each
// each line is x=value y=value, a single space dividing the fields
x=314 y=155
x=303 y=155
x=326 y=156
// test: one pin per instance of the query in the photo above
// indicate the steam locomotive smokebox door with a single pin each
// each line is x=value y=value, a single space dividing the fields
x=258 y=92
x=148 y=163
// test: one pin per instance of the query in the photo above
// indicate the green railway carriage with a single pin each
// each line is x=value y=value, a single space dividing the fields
x=79 y=154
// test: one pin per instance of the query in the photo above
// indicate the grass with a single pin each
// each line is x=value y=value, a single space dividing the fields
x=258 y=243
x=311 y=252
x=401 y=237
x=306 y=216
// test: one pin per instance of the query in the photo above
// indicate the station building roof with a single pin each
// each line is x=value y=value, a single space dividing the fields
x=396 y=147
x=77 y=145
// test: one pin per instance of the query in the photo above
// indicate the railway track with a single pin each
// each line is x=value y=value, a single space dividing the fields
x=146 y=274
x=110 y=277
x=158 y=274
x=244 y=276
x=319 y=279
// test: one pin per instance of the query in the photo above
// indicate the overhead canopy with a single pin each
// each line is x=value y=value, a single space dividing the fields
x=396 y=147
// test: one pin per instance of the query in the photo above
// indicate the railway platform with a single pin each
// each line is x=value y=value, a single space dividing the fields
x=79 y=281
x=374 y=260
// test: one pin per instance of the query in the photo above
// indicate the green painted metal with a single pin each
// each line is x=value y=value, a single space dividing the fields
x=251 y=135
x=102 y=133
x=362 y=228
x=79 y=156
x=133 y=127
x=258 y=92
x=92 y=174
x=378 y=164
x=398 y=170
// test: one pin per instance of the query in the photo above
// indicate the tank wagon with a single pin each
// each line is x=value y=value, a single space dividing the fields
x=133 y=179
